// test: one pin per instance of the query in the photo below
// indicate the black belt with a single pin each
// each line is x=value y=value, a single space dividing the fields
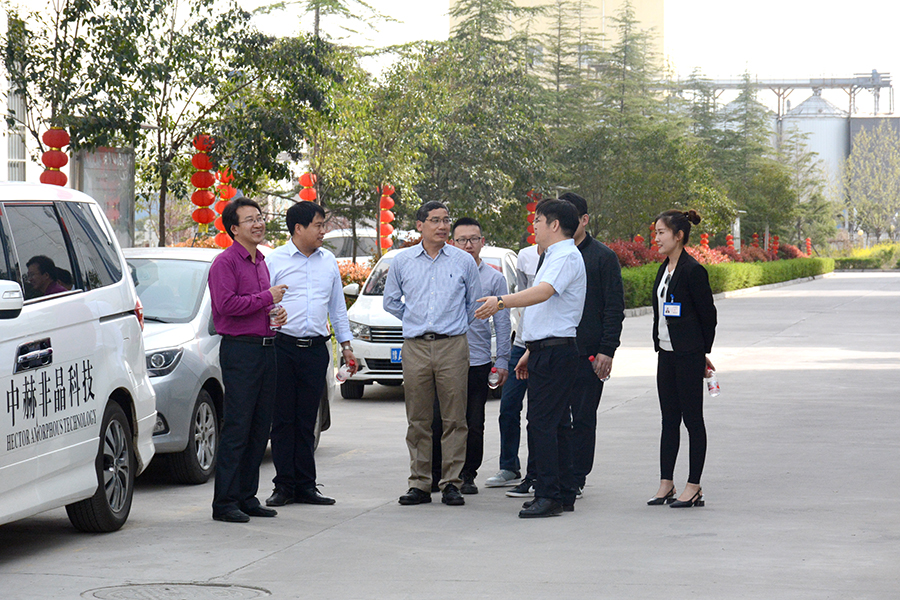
x=303 y=342
x=251 y=339
x=430 y=337
x=547 y=342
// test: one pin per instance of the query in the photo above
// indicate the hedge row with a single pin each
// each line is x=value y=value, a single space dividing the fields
x=858 y=262
x=726 y=277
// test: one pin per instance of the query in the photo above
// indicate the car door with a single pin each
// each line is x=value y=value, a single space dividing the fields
x=48 y=370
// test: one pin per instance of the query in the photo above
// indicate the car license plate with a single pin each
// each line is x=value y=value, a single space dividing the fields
x=395 y=355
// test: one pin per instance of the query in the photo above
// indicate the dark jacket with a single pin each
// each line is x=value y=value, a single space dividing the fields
x=604 y=302
x=695 y=329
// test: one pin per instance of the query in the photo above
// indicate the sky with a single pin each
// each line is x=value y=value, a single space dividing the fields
x=770 y=39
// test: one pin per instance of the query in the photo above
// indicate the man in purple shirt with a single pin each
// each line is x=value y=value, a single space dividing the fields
x=43 y=276
x=241 y=302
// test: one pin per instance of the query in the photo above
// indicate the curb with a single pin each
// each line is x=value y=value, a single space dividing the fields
x=646 y=310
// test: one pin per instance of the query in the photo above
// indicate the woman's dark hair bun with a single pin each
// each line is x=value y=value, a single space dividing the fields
x=692 y=216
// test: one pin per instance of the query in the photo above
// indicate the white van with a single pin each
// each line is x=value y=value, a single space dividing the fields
x=77 y=408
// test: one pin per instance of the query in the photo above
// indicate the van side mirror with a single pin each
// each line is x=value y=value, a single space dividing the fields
x=351 y=290
x=11 y=300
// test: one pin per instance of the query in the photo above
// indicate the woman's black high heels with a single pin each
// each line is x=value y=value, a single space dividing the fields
x=667 y=499
x=696 y=500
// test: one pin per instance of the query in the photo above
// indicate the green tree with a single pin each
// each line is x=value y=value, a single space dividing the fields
x=872 y=180
x=814 y=215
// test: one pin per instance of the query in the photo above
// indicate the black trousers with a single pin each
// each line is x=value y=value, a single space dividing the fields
x=248 y=374
x=585 y=402
x=301 y=381
x=477 y=395
x=550 y=385
x=679 y=383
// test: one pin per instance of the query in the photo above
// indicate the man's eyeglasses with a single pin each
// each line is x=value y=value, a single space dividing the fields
x=439 y=220
x=253 y=220
x=466 y=241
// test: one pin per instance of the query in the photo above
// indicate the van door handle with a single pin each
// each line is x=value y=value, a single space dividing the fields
x=45 y=356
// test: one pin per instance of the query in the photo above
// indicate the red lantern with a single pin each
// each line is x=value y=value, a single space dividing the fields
x=755 y=242
x=530 y=218
x=227 y=192
x=56 y=138
x=729 y=241
x=808 y=246
x=530 y=239
x=223 y=240
x=530 y=229
x=201 y=162
x=203 y=179
x=308 y=180
x=203 y=197
x=531 y=206
x=308 y=194
x=387 y=190
x=204 y=215
x=203 y=142
x=386 y=203
x=54 y=159
x=220 y=206
x=639 y=239
x=386 y=216
x=386 y=243
x=220 y=225
x=386 y=229
x=54 y=178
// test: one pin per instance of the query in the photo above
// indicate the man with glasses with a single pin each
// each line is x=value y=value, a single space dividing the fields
x=432 y=287
x=241 y=300
x=467 y=235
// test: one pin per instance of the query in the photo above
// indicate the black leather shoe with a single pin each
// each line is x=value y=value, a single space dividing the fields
x=260 y=511
x=696 y=500
x=279 y=498
x=468 y=486
x=566 y=507
x=451 y=496
x=232 y=516
x=415 y=496
x=312 y=496
x=542 y=507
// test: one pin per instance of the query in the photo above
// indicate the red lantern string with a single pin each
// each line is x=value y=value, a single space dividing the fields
x=226 y=193
x=704 y=240
x=653 y=245
x=729 y=241
x=385 y=203
x=54 y=158
x=204 y=181
x=308 y=191
x=533 y=199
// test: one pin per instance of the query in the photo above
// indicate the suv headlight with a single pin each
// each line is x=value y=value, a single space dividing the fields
x=360 y=331
x=163 y=362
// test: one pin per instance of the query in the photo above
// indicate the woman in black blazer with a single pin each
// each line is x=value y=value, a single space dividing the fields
x=682 y=338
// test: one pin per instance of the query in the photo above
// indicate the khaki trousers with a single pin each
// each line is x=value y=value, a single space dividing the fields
x=435 y=368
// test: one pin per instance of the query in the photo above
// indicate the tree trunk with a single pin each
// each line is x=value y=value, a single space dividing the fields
x=163 y=189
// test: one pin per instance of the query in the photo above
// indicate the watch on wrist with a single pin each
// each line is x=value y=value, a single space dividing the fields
x=500 y=305
x=345 y=347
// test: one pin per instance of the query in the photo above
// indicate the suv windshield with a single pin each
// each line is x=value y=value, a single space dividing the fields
x=375 y=284
x=169 y=289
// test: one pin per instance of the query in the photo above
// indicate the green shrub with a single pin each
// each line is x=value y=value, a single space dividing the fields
x=871 y=262
x=726 y=277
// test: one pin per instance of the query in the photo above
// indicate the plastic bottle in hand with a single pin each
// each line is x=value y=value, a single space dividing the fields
x=494 y=379
x=343 y=373
x=273 y=317
x=712 y=383
x=603 y=379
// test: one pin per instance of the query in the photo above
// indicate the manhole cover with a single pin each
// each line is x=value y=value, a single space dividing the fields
x=177 y=591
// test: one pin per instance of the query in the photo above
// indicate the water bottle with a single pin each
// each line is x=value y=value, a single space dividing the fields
x=494 y=379
x=343 y=373
x=712 y=383
x=273 y=315
x=603 y=379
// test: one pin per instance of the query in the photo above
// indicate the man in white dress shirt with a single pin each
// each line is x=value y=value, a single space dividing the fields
x=315 y=292
x=555 y=304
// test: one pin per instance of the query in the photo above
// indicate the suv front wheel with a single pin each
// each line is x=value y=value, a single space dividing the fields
x=108 y=508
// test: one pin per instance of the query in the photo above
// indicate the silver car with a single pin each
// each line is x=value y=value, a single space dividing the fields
x=182 y=350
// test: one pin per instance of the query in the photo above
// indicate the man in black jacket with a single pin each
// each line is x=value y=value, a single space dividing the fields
x=597 y=335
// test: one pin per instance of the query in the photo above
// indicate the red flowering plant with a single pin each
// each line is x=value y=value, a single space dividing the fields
x=731 y=253
x=352 y=272
x=754 y=254
x=633 y=254
x=705 y=256
x=787 y=251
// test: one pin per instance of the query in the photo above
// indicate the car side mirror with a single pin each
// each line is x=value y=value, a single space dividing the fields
x=351 y=290
x=11 y=300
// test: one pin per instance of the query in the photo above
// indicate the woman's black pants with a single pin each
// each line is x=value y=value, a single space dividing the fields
x=679 y=382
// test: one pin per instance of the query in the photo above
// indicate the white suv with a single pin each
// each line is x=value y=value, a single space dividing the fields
x=76 y=406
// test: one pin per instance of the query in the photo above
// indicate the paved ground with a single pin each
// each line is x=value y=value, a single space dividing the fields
x=801 y=485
